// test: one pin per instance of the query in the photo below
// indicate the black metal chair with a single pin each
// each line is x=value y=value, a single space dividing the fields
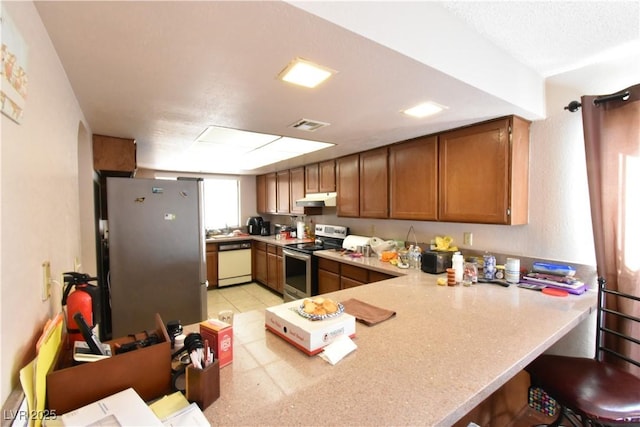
x=596 y=392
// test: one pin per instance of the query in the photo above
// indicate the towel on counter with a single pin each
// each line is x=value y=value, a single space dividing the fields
x=366 y=313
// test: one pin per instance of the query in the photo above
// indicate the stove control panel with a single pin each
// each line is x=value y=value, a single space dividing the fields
x=336 y=231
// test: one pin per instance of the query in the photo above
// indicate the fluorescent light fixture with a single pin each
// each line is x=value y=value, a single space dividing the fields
x=305 y=73
x=248 y=150
x=425 y=109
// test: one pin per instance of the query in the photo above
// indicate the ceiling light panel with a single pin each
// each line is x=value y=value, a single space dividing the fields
x=305 y=73
x=425 y=109
x=235 y=137
x=295 y=145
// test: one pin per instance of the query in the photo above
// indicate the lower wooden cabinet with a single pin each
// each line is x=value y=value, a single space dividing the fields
x=334 y=276
x=212 y=265
x=267 y=265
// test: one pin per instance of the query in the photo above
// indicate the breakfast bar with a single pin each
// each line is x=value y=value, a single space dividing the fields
x=445 y=351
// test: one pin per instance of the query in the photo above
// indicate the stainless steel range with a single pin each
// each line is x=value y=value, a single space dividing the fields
x=300 y=266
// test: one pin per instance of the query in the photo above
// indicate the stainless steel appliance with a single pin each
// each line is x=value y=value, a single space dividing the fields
x=156 y=253
x=234 y=263
x=300 y=268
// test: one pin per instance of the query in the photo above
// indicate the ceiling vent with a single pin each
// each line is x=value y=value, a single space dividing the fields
x=308 y=125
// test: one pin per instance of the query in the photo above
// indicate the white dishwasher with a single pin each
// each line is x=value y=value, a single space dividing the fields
x=234 y=263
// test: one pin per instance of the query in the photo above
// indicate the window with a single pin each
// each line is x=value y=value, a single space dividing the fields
x=221 y=203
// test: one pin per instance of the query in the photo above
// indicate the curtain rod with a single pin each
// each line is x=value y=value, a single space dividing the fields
x=622 y=96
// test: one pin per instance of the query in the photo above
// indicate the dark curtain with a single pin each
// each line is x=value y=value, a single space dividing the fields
x=612 y=144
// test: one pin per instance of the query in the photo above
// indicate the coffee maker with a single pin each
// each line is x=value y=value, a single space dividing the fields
x=254 y=225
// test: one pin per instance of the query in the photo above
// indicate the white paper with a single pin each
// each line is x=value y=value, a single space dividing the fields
x=338 y=349
x=189 y=416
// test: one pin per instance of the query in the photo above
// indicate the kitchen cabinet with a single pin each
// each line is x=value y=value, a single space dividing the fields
x=327 y=176
x=114 y=154
x=328 y=276
x=484 y=173
x=334 y=275
x=311 y=179
x=348 y=186
x=413 y=179
x=374 y=183
x=271 y=191
x=274 y=268
x=297 y=189
x=320 y=177
x=283 y=196
x=212 y=265
x=261 y=193
x=260 y=262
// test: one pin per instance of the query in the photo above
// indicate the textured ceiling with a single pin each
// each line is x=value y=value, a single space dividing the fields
x=161 y=72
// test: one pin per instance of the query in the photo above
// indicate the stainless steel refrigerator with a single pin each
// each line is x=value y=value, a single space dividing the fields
x=157 y=253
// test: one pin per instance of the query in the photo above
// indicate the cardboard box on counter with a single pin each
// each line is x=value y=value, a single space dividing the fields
x=147 y=370
x=220 y=336
x=307 y=335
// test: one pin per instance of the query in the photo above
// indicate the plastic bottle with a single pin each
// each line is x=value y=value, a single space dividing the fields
x=412 y=260
x=418 y=256
x=457 y=263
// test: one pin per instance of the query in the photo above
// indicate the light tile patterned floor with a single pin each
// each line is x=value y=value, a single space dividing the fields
x=240 y=298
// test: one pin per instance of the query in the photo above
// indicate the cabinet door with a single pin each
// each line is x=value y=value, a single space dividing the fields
x=283 y=192
x=272 y=270
x=374 y=201
x=346 y=283
x=114 y=154
x=311 y=183
x=348 y=186
x=413 y=179
x=261 y=194
x=296 y=181
x=260 y=264
x=474 y=174
x=280 y=270
x=328 y=281
x=327 y=176
x=212 y=265
x=271 y=191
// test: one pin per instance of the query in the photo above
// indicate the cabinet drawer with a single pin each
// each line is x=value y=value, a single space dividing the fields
x=212 y=247
x=355 y=273
x=376 y=276
x=272 y=249
x=260 y=246
x=346 y=283
x=327 y=264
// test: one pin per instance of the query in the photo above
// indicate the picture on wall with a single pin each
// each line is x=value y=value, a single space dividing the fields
x=13 y=74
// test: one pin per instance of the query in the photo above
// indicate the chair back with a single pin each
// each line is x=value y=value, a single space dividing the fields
x=618 y=324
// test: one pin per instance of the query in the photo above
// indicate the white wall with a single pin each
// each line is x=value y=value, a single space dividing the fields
x=40 y=195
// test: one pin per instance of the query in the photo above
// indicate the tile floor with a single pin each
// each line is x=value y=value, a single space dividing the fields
x=240 y=298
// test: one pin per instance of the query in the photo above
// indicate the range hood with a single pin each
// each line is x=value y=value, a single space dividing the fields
x=317 y=200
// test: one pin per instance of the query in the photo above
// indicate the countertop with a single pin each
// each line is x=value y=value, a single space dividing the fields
x=267 y=239
x=446 y=350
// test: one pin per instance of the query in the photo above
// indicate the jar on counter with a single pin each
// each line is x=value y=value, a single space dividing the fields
x=470 y=271
x=489 y=269
x=500 y=272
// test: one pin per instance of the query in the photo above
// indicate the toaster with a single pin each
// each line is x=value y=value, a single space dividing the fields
x=436 y=262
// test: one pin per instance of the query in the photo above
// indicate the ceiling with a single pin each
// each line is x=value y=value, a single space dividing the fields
x=161 y=72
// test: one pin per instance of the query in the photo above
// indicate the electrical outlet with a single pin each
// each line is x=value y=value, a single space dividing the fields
x=46 y=280
x=468 y=238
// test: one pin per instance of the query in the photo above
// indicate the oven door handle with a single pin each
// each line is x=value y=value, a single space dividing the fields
x=297 y=255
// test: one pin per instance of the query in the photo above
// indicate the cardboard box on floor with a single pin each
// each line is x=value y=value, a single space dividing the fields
x=147 y=370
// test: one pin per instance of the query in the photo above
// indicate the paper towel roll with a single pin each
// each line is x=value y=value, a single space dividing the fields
x=351 y=242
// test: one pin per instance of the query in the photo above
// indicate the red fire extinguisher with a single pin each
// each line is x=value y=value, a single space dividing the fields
x=84 y=300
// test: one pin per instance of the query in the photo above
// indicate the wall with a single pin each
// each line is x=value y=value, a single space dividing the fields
x=40 y=196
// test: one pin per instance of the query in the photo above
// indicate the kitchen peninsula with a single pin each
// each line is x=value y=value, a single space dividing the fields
x=446 y=350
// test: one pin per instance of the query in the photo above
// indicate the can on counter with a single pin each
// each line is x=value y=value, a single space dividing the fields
x=489 y=270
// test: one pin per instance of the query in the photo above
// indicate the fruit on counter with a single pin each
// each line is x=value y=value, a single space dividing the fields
x=387 y=256
x=442 y=281
x=444 y=244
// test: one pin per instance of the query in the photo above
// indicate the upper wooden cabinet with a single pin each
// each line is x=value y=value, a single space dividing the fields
x=271 y=191
x=320 y=177
x=327 y=176
x=413 y=179
x=374 y=183
x=484 y=173
x=283 y=197
x=311 y=179
x=348 y=186
x=114 y=154
x=261 y=193
x=297 y=188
